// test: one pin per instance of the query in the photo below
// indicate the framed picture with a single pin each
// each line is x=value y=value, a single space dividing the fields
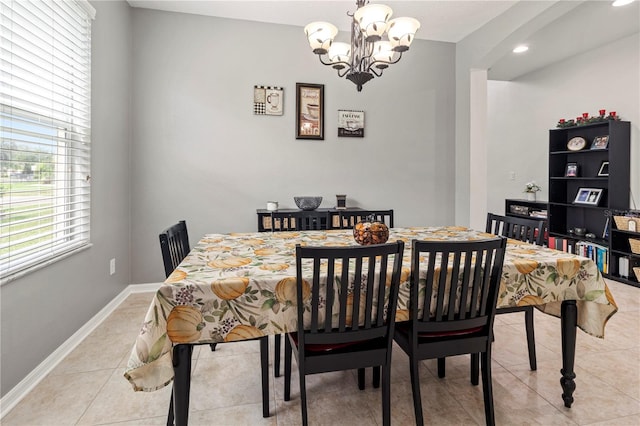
x=268 y=100
x=604 y=169
x=309 y=111
x=588 y=196
x=351 y=123
x=571 y=170
x=600 y=142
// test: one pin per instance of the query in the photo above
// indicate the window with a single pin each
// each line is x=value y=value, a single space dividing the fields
x=45 y=131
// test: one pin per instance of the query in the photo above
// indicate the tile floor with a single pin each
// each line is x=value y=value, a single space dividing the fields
x=88 y=387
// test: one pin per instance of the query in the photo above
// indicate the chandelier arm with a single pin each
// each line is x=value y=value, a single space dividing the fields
x=347 y=65
x=376 y=72
x=344 y=71
x=395 y=61
x=323 y=62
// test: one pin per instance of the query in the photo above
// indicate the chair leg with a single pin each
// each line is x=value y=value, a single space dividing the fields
x=170 y=415
x=303 y=395
x=441 y=367
x=475 y=371
x=386 y=393
x=531 y=339
x=213 y=346
x=376 y=376
x=487 y=387
x=361 y=378
x=287 y=369
x=276 y=355
x=415 y=387
x=264 y=362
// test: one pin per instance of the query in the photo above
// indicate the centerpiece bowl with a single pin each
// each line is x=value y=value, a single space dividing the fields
x=370 y=231
x=307 y=203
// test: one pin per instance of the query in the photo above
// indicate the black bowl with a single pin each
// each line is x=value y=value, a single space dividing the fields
x=307 y=203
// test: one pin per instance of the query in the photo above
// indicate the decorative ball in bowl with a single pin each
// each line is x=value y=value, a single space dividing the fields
x=370 y=232
x=307 y=203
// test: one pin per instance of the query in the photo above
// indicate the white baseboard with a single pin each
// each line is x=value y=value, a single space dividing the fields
x=15 y=395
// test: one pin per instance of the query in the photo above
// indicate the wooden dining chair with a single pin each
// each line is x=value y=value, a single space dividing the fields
x=346 y=301
x=530 y=231
x=303 y=220
x=174 y=244
x=347 y=219
x=521 y=229
x=452 y=306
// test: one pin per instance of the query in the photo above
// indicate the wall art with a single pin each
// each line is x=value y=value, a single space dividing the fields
x=350 y=123
x=268 y=100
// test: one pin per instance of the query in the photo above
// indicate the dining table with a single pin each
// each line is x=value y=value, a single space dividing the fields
x=240 y=286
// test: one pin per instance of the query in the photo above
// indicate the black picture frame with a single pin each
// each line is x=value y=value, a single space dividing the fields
x=604 y=169
x=309 y=111
x=588 y=196
x=600 y=142
x=571 y=170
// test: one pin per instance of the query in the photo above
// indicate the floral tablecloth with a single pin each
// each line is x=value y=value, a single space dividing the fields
x=241 y=286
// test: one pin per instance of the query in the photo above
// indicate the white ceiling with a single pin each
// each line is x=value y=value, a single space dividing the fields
x=440 y=20
x=583 y=26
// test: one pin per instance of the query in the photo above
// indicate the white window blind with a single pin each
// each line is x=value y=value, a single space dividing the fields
x=45 y=129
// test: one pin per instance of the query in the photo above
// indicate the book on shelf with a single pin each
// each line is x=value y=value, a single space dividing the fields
x=562 y=244
x=596 y=252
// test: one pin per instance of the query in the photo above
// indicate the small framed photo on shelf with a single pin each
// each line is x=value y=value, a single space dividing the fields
x=588 y=196
x=571 y=170
x=604 y=169
x=600 y=142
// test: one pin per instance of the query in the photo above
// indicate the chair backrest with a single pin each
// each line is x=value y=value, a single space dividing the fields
x=299 y=220
x=348 y=219
x=174 y=244
x=461 y=281
x=342 y=293
x=528 y=230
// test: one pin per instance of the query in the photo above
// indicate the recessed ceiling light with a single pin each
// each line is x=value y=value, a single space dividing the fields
x=621 y=2
x=521 y=49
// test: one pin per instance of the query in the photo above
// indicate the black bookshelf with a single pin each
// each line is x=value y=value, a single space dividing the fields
x=564 y=213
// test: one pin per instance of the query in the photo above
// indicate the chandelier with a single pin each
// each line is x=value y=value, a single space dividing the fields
x=368 y=55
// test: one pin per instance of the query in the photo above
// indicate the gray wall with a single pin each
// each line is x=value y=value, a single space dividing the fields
x=200 y=154
x=41 y=310
x=521 y=112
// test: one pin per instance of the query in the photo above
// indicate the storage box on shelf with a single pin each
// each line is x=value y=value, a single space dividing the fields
x=527 y=209
x=564 y=213
x=625 y=246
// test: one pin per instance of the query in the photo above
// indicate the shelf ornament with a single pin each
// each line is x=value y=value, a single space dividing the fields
x=586 y=119
x=530 y=189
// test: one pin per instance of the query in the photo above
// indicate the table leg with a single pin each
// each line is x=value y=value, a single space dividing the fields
x=568 y=321
x=181 y=383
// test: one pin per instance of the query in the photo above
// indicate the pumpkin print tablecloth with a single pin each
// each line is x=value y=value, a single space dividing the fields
x=240 y=286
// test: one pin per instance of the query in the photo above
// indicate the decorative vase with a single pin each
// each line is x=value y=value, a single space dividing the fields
x=531 y=196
